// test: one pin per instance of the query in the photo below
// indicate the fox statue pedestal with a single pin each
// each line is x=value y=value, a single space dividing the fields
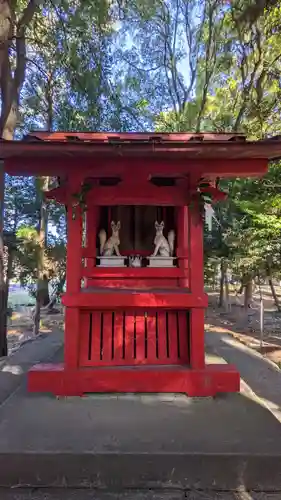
x=111 y=261
x=159 y=261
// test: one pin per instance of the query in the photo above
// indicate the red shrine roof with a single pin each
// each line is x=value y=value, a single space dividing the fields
x=151 y=144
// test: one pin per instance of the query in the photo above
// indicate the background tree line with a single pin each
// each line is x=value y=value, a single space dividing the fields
x=165 y=65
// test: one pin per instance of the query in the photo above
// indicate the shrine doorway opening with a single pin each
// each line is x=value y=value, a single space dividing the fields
x=137 y=231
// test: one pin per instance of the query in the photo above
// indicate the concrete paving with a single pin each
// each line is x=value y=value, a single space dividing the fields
x=66 y=494
x=14 y=367
x=261 y=375
x=145 y=441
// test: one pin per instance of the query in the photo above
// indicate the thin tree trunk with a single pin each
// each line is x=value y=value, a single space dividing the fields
x=272 y=288
x=222 y=281
x=42 y=295
x=42 y=281
x=8 y=279
x=226 y=284
x=248 y=291
x=3 y=303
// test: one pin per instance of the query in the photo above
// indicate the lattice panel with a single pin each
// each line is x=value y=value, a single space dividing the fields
x=127 y=338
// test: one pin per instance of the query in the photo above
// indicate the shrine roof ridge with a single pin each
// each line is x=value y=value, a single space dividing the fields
x=181 y=146
x=64 y=136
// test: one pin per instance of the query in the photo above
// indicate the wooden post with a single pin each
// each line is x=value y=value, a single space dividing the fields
x=73 y=285
x=91 y=235
x=196 y=279
x=183 y=244
x=3 y=301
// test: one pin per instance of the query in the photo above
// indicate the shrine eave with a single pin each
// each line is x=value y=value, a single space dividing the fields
x=182 y=146
x=63 y=148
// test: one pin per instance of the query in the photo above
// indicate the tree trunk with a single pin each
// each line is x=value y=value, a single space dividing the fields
x=248 y=291
x=42 y=293
x=272 y=288
x=222 y=281
x=12 y=36
x=226 y=284
x=3 y=301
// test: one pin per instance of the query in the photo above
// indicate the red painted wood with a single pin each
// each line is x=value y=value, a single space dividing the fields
x=133 y=284
x=123 y=166
x=183 y=245
x=151 y=337
x=197 y=345
x=140 y=338
x=184 y=333
x=107 y=337
x=74 y=251
x=129 y=337
x=72 y=337
x=137 y=343
x=132 y=300
x=173 y=337
x=196 y=268
x=96 y=346
x=84 y=339
x=129 y=272
x=209 y=381
x=59 y=194
x=73 y=284
x=137 y=195
x=119 y=332
x=162 y=335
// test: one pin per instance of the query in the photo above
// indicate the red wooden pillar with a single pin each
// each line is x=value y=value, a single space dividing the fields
x=73 y=285
x=196 y=278
x=91 y=237
x=183 y=244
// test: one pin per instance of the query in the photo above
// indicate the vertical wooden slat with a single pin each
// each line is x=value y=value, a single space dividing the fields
x=162 y=339
x=107 y=336
x=96 y=340
x=84 y=338
x=118 y=336
x=183 y=336
x=197 y=343
x=173 y=337
x=151 y=337
x=129 y=338
x=140 y=340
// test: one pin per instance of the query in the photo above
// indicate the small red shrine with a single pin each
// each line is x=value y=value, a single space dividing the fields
x=135 y=301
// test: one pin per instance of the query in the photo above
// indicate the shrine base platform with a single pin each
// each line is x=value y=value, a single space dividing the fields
x=211 y=380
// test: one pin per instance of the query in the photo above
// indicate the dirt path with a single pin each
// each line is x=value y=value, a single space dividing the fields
x=245 y=326
x=20 y=327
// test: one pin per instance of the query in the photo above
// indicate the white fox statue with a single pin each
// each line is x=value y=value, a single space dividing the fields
x=108 y=247
x=164 y=246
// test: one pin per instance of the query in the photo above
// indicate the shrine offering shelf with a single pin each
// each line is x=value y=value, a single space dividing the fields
x=132 y=272
x=87 y=253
